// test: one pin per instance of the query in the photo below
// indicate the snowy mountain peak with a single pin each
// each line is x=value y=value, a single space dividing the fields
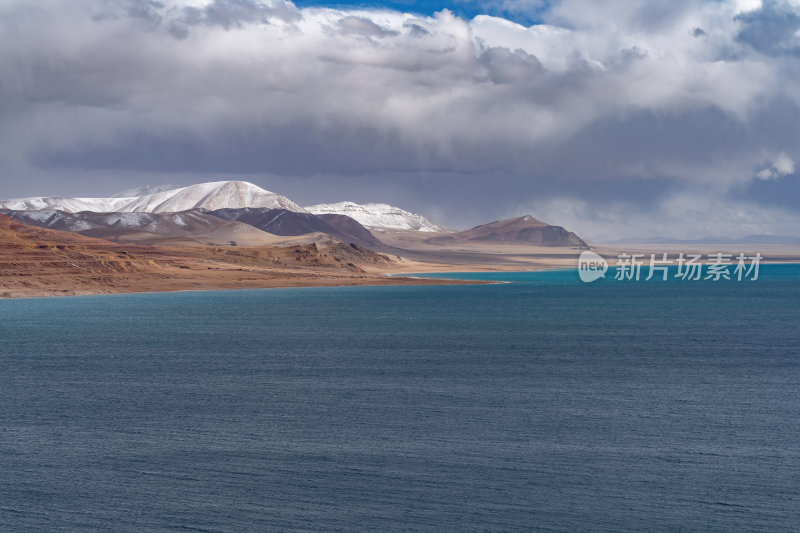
x=378 y=216
x=211 y=196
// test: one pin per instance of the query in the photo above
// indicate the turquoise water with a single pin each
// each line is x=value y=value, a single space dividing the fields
x=540 y=404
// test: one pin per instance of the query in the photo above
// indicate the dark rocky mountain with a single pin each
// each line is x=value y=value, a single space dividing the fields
x=349 y=226
x=288 y=223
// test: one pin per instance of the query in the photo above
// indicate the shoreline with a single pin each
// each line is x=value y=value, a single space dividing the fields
x=378 y=281
x=309 y=282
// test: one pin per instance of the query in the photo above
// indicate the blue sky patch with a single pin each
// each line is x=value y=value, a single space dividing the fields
x=463 y=8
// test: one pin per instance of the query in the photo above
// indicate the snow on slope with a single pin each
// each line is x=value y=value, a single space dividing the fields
x=211 y=196
x=378 y=216
x=186 y=224
x=70 y=205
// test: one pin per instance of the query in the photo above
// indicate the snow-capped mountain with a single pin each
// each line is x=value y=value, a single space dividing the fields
x=223 y=195
x=210 y=196
x=378 y=216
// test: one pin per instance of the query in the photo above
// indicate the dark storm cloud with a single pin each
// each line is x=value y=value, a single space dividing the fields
x=772 y=29
x=236 y=13
x=415 y=30
x=363 y=26
x=227 y=14
x=504 y=66
x=677 y=113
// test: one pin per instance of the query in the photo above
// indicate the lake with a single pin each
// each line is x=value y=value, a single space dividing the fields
x=539 y=404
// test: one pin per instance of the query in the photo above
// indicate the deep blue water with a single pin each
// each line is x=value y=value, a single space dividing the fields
x=542 y=404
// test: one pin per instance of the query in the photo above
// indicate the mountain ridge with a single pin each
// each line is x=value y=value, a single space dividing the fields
x=348 y=221
x=245 y=226
x=193 y=226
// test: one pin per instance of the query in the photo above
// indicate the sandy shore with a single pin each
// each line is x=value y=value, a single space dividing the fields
x=66 y=272
x=158 y=270
x=36 y=262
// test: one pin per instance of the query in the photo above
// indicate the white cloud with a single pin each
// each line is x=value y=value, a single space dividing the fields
x=744 y=6
x=782 y=165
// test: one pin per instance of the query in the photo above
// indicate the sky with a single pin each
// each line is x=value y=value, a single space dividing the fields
x=616 y=118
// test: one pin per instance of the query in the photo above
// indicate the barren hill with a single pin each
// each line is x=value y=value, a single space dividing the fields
x=521 y=230
x=43 y=262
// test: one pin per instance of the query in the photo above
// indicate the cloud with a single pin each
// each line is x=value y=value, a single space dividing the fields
x=671 y=97
x=782 y=165
x=772 y=28
x=681 y=215
x=363 y=26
